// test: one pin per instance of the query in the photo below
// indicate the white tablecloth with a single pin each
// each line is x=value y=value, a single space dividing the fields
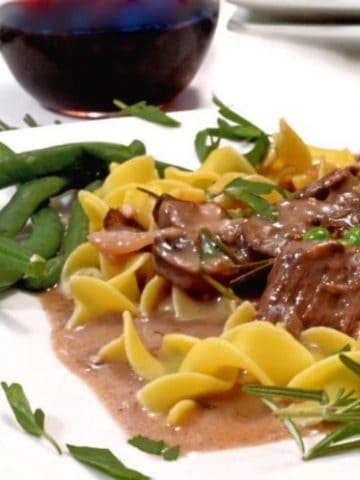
x=254 y=73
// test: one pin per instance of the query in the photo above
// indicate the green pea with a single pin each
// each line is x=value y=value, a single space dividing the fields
x=317 y=233
x=352 y=237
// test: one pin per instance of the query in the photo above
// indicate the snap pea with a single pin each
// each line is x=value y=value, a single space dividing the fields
x=26 y=200
x=89 y=160
x=76 y=234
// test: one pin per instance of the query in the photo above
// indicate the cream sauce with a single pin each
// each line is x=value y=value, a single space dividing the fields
x=227 y=420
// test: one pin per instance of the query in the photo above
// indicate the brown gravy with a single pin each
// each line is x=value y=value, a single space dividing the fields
x=228 y=420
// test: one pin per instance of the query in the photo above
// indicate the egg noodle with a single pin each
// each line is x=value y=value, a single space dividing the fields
x=187 y=368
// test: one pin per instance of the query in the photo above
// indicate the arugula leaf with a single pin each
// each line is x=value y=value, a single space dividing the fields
x=150 y=113
x=31 y=422
x=256 y=155
x=257 y=188
x=233 y=132
x=147 y=445
x=226 y=112
x=242 y=130
x=203 y=147
x=258 y=204
x=105 y=461
x=154 y=447
x=171 y=453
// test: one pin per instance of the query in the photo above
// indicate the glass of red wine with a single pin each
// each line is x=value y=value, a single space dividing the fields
x=76 y=56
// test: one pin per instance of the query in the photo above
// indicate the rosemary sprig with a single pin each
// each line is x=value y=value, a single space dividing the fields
x=265 y=391
x=212 y=247
x=290 y=426
x=316 y=405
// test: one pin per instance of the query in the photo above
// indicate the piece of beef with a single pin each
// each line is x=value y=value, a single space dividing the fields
x=333 y=202
x=177 y=256
x=314 y=283
x=171 y=212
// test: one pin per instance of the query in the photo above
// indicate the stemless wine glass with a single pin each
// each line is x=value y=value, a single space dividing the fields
x=76 y=56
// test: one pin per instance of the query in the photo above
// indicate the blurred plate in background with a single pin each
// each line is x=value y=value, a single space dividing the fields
x=303 y=8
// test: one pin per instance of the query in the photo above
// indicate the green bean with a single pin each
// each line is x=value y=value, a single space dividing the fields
x=17 y=262
x=89 y=160
x=75 y=235
x=26 y=201
x=47 y=279
x=45 y=241
x=47 y=233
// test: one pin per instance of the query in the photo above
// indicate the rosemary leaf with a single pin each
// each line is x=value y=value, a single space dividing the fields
x=350 y=364
x=290 y=426
x=286 y=392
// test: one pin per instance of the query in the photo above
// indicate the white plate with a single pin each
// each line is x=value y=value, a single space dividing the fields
x=303 y=8
x=341 y=37
x=74 y=414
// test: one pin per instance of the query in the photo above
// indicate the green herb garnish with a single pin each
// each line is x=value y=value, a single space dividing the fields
x=226 y=112
x=239 y=185
x=350 y=363
x=5 y=126
x=317 y=406
x=32 y=422
x=154 y=447
x=205 y=144
x=290 y=426
x=241 y=130
x=30 y=121
x=249 y=192
x=105 y=461
x=150 y=113
x=265 y=391
x=212 y=246
x=257 y=204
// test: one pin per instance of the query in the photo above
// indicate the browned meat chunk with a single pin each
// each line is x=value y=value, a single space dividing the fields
x=177 y=256
x=170 y=212
x=314 y=283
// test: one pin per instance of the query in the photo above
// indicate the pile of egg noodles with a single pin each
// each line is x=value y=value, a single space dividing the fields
x=187 y=369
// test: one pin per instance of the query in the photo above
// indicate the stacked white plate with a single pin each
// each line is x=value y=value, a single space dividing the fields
x=335 y=23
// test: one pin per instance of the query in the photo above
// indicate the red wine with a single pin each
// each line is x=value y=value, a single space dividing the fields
x=78 y=55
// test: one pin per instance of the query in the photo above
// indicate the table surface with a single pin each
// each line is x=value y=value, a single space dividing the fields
x=250 y=72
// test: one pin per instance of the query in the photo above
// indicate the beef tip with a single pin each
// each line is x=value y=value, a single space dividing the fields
x=177 y=256
x=311 y=284
x=171 y=212
x=335 y=182
x=116 y=220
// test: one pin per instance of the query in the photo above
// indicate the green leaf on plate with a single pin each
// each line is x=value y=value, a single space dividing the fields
x=150 y=113
x=31 y=422
x=147 y=445
x=155 y=447
x=105 y=461
x=171 y=453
